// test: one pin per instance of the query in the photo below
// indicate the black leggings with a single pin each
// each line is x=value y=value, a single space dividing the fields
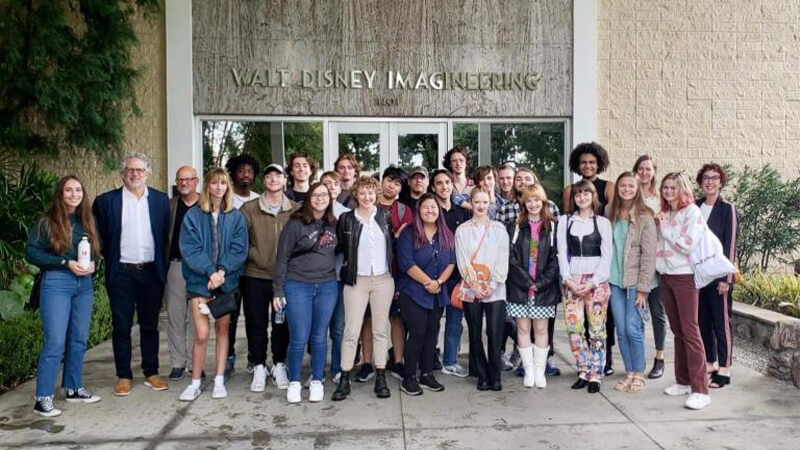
x=422 y=326
x=485 y=369
x=257 y=294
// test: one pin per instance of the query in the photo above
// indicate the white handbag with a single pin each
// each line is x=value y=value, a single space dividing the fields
x=708 y=260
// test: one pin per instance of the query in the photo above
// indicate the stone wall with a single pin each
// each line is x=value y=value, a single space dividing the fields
x=689 y=81
x=778 y=333
x=412 y=36
x=147 y=133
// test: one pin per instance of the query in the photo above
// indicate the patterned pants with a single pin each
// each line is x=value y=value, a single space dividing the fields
x=590 y=357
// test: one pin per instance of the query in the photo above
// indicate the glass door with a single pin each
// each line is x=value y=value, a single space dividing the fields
x=378 y=144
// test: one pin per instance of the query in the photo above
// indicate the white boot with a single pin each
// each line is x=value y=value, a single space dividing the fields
x=539 y=365
x=526 y=355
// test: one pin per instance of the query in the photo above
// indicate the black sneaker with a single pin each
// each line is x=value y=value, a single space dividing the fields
x=428 y=381
x=437 y=359
x=81 y=395
x=365 y=373
x=397 y=370
x=410 y=386
x=44 y=407
x=177 y=374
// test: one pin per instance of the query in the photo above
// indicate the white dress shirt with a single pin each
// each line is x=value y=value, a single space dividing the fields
x=136 y=244
x=371 y=247
x=598 y=266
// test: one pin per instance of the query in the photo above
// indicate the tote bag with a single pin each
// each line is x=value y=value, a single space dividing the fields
x=708 y=260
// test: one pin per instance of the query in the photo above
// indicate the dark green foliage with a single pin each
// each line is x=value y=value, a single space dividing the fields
x=25 y=196
x=769 y=215
x=66 y=77
x=21 y=339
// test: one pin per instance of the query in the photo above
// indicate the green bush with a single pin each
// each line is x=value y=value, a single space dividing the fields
x=777 y=292
x=21 y=340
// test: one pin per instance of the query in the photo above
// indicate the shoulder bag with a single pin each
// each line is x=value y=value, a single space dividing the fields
x=479 y=272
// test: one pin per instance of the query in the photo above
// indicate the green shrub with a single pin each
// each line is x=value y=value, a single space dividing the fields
x=777 y=292
x=21 y=340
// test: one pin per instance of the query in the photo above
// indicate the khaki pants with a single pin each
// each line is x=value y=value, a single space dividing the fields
x=180 y=330
x=378 y=292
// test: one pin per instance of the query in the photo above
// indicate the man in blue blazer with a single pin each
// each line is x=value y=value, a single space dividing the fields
x=133 y=222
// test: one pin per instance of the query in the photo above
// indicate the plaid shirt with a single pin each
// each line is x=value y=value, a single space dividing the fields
x=509 y=212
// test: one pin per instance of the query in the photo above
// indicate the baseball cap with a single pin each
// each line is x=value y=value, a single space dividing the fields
x=276 y=167
x=418 y=171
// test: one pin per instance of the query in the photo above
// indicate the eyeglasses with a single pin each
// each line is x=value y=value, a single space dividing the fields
x=136 y=170
x=186 y=180
x=711 y=178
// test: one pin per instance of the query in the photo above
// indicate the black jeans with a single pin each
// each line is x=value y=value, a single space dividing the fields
x=257 y=298
x=485 y=369
x=422 y=326
x=139 y=291
x=714 y=319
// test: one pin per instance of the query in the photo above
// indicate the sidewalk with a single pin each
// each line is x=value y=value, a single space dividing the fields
x=754 y=412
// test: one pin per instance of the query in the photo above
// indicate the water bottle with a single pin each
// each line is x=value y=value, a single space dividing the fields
x=84 y=252
x=280 y=314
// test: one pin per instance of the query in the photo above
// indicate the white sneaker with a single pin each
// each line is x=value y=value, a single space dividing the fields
x=203 y=308
x=307 y=383
x=259 y=379
x=189 y=394
x=677 y=390
x=697 y=401
x=293 y=392
x=456 y=370
x=219 y=391
x=317 y=391
x=280 y=376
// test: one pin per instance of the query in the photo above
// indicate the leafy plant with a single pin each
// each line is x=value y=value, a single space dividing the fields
x=24 y=197
x=67 y=80
x=777 y=292
x=769 y=214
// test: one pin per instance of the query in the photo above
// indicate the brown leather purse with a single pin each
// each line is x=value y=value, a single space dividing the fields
x=479 y=273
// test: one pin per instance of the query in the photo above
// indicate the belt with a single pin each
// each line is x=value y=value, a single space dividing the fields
x=138 y=266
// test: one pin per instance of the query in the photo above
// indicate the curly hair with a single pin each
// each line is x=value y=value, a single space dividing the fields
x=365 y=182
x=457 y=149
x=712 y=166
x=237 y=161
x=592 y=148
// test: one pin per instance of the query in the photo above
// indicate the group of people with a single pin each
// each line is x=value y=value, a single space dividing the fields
x=374 y=264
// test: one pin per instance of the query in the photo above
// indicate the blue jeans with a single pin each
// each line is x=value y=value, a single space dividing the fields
x=337 y=331
x=453 y=327
x=66 y=310
x=630 y=327
x=309 y=307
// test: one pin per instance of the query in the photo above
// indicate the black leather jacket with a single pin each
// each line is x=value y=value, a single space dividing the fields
x=348 y=233
x=518 y=282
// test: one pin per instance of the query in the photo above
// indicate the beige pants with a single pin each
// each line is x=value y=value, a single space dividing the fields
x=180 y=330
x=377 y=291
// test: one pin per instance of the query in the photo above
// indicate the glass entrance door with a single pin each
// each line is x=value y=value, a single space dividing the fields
x=378 y=144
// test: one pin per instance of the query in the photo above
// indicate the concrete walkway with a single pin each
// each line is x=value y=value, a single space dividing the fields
x=754 y=412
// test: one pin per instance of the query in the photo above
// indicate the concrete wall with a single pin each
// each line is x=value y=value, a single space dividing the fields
x=520 y=36
x=689 y=81
x=147 y=133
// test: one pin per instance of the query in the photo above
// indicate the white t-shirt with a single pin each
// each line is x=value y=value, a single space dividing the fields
x=706 y=210
x=238 y=200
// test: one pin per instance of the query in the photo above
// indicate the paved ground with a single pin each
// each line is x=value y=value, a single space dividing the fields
x=754 y=412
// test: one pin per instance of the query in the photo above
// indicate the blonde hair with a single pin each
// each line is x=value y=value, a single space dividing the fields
x=638 y=206
x=215 y=174
x=365 y=182
x=478 y=190
x=534 y=191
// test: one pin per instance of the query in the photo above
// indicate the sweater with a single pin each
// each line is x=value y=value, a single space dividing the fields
x=40 y=253
x=493 y=253
x=306 y=253
x=678 y=234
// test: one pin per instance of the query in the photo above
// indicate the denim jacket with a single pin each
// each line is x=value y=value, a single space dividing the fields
x=196 y=241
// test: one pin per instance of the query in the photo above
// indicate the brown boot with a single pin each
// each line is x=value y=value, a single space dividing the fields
x=156 y=383
x=123 y=387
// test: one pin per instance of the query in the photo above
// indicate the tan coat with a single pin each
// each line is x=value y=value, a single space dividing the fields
x=639 y=259
x=264 y=230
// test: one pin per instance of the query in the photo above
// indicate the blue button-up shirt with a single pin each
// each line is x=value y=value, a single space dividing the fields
x=431 y=259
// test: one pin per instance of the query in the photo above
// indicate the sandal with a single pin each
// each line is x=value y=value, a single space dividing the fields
x=719 y=381
x=636 y=385
x=624 y=385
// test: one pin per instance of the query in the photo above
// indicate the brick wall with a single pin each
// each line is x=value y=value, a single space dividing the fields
x=688 y=81
x=146 y=133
